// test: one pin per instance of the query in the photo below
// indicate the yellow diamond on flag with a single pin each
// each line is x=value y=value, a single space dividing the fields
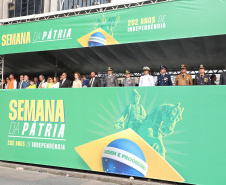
x=85 y=39
x=158 y=167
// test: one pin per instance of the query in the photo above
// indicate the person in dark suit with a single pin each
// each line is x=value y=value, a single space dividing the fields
x=2 y=84
x=21 y=81
x=93 y=82
x=223 y=78
x=36 y=81
x=65 y=83
x=163 y=79
x=213 y=79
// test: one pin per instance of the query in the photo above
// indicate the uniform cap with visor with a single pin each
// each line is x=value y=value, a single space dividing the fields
x=146 y=68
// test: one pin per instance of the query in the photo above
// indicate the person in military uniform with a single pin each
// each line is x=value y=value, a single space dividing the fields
x=128 y=82
x=183 y=78
x=146 y=79
x=163 y=79
x=202 y=78
x=110 y=80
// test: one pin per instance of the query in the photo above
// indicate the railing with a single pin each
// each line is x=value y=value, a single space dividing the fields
x=29 y=7
x=71 y=4
x=76 y=10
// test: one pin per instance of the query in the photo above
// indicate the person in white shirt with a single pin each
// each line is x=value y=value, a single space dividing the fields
x=42 y=84
x=146 y=79
x=56 y=83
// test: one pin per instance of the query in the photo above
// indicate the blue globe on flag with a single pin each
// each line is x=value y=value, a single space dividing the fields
x=97 y=39
x=123 y=156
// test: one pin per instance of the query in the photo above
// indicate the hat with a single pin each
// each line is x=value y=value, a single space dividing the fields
x=163 y=67
x=201 y=67
x=127 y=72
x=146 y=68
x=183 y=66
x=110 y=69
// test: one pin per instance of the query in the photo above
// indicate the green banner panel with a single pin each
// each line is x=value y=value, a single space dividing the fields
x=163 y=21
x=169 y=133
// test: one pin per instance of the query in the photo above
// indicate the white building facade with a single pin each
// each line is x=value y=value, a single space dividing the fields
x=20 y=8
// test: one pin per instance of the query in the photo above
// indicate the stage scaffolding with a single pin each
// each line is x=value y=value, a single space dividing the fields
x=1 y=69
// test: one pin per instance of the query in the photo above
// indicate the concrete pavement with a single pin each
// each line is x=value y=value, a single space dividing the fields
x=35 y=175
x=10 y=176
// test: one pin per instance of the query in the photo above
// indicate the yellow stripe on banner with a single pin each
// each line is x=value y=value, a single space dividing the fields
x=158 y=167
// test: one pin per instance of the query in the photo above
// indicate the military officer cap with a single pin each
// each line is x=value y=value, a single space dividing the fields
x=201 y=67
x=146 y=68
x=128 y=72
x=183 y=66
x=110 y=69
x=163 y=67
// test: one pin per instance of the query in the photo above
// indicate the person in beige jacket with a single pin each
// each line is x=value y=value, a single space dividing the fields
x=183 y=78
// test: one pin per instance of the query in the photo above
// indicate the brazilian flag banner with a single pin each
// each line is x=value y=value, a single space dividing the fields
x=162 y=21
x=168 y=133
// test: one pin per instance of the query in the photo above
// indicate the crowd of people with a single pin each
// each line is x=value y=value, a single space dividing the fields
x=52 y=82
x=111 y=80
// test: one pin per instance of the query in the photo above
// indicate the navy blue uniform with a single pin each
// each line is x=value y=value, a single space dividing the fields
x=202 y=80
x=164 y=80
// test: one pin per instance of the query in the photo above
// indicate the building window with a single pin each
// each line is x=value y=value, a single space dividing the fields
x=27 y=7
x=70 y=4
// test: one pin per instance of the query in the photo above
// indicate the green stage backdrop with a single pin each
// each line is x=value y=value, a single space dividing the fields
x=163 y=21
x=169 y=133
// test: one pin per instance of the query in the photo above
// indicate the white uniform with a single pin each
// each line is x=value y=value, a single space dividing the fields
x=146 y=80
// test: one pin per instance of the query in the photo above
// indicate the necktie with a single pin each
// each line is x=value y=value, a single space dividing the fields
x=92 y=82
x=62 y=82
x=20 y=85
